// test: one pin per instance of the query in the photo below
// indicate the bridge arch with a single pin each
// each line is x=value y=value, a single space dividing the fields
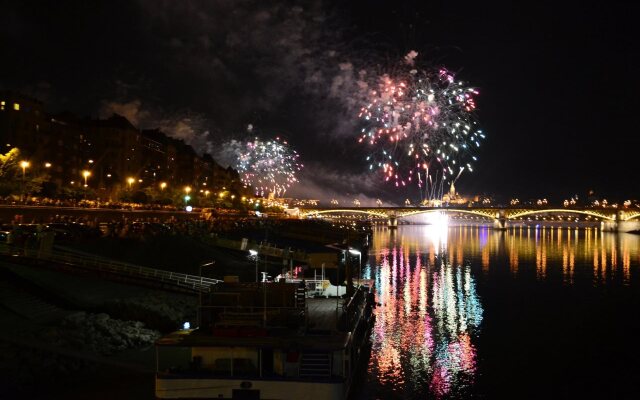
x=450 y=210
x=631 y=215
x=345 y=211
x=512 y=216
x=490 y=213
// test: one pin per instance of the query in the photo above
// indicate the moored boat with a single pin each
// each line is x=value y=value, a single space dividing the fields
x=267 y=341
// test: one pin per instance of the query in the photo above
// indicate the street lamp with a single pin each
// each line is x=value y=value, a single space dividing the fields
x=255 y=254
x=209 y=264
x=86 y=174
x=130 y=181
x=359 y=254
x=24 y=165
x=47 y=165
x=187 y=190
x=163 y=185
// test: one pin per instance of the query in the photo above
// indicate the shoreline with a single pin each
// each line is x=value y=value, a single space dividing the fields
x=78 y=372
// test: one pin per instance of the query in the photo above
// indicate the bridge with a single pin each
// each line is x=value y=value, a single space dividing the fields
x=623 y=220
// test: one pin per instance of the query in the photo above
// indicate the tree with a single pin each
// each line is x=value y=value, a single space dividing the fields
x=14 y=181
x=9 y=172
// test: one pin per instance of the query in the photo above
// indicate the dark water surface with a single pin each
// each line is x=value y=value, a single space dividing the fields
x=470 y=312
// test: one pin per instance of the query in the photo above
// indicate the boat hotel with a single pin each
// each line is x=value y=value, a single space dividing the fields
x=268 y=340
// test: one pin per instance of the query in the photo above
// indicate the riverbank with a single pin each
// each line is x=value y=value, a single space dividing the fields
x=99 y=342
x=66 y=336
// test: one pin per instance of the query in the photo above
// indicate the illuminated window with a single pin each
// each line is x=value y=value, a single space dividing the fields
x=2 y=103
x=16 y=106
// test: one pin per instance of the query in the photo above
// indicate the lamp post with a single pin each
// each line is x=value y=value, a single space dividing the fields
x=130 y=181
x=359 y=254
x=208 y=264
x=338 y=293
x=86 y=174
x=187 y=190
x=24 y=165
x=163 y=185
x=255 y=254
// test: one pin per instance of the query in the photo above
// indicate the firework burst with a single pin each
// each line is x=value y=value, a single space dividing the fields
x=269 y=167
x=420 y=124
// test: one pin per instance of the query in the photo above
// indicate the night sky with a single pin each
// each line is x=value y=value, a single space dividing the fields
x=559 y=81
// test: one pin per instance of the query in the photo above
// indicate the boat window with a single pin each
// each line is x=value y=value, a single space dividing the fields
x=267 y=362
x=173 y=360
x=292 y=364
x=216 y=360
x=245 y=361
x=278 y=362
x=221 y=367
x=225 y=361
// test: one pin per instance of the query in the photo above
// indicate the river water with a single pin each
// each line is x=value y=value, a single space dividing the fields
x=472 y=312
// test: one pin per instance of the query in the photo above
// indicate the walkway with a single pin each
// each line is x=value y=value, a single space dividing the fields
x=63 y=258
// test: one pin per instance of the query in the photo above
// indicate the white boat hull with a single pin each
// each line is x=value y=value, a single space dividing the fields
x=268 y=389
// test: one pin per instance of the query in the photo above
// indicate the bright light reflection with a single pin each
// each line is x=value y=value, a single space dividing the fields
x=437 y=230
x=424 y=330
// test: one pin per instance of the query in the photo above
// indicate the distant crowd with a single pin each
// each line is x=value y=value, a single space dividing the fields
x=19 y=230
x=85 y=203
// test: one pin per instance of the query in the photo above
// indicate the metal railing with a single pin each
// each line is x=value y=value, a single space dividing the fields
x=354 y=308
x=95 y=263
x=263 y=249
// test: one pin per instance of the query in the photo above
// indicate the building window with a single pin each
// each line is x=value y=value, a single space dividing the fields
x=16 y=106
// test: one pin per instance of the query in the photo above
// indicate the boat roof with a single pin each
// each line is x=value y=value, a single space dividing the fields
x=321 y=332
x=317 y=324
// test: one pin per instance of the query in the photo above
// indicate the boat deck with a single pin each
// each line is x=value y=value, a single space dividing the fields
x=324 y=318
x=322 y=315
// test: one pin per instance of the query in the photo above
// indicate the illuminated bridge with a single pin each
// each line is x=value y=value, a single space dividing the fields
x=611 y=219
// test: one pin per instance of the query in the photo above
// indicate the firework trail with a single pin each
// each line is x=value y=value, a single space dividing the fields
x=269 y=167
x=419 y=126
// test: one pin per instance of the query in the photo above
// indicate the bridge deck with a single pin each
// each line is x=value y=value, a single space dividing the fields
x=508 y=213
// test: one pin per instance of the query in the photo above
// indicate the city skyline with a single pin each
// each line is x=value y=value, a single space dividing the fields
x=103 y=158
x=543 y=73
